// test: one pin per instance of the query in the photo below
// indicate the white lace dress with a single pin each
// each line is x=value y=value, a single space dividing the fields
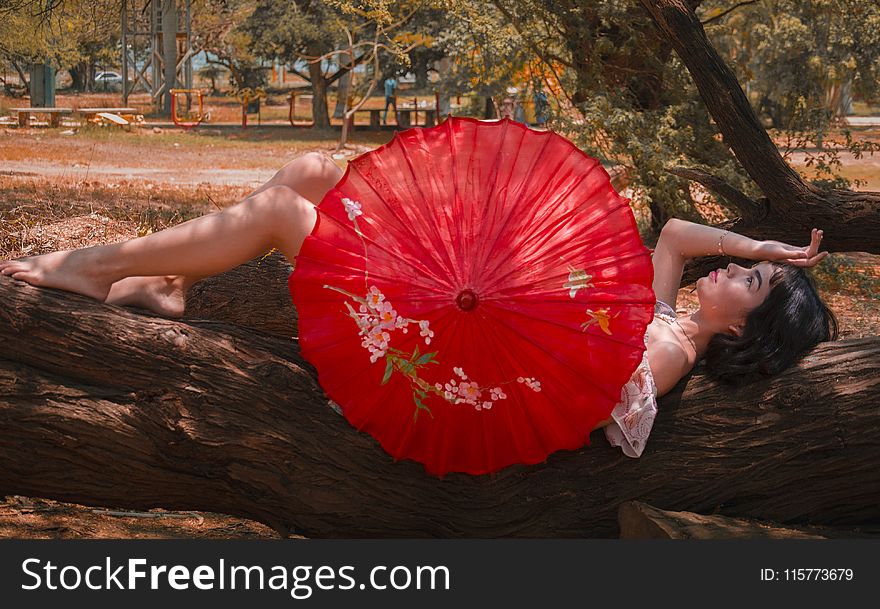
x=633 y=416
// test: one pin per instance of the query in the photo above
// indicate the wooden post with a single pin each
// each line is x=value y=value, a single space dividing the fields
x=169 y=51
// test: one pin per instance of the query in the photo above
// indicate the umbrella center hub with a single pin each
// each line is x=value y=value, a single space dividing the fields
x=466 y=300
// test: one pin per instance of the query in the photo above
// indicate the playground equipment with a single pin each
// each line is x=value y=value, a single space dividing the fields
x=193 y=120
x=250 y=104
x=157 y=48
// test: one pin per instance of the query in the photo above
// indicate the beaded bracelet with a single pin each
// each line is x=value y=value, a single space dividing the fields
x=720 y=241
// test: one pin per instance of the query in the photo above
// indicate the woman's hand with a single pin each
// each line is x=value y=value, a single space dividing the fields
x=798 y=256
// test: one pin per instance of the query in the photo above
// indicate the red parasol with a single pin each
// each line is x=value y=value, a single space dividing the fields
x=474 y=295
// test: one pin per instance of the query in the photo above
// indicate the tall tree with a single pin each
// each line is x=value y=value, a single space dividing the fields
x=216 y=32
x=307 y=31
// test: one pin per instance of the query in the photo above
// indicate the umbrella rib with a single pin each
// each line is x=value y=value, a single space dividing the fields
x=510 y=211
x=406 y=225
x=530 y=261
x=490 y=190
x=600 y=264
x=514 y=432
x=337 y=265
x=538 y=237
x=553 y=355
x=578 y=330
x=395 y=255
x=431 y=222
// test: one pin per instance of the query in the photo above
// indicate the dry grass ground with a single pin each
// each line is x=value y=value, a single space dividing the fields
x=62 y=194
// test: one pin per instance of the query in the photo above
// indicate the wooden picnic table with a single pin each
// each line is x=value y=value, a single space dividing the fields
x=407 y=117
x=124 y=117
x=24 y=115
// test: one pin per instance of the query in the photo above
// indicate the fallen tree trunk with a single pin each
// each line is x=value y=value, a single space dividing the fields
x=102 y=406
x=642 y=521
x=253 y=295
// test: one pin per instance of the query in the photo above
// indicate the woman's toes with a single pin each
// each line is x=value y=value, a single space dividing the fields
x=31 y=277
x=11 y=268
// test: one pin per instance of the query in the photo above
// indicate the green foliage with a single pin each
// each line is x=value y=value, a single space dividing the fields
x=217 y=30
x=74 y=35
x=792 y=53
x=843 y=272
x=800 y=63
x=625 y=97
x=621 y=94
x=486 y=50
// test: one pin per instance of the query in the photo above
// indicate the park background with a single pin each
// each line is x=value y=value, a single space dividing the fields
x=811 y=71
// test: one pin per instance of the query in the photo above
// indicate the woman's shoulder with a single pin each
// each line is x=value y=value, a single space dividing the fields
x=667 y=358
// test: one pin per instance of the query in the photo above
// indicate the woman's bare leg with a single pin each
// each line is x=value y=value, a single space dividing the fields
x=311 y=175
x=276 y=216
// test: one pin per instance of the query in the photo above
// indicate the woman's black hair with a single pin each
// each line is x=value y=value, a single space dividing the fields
x=791 y=321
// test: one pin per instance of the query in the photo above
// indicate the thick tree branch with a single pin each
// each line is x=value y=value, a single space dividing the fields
x=724 y=98
x=725 y=12
x=851 y=220
x=751 y=211
x=103 y=406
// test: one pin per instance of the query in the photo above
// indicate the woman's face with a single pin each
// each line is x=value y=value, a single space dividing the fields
x=729 y=294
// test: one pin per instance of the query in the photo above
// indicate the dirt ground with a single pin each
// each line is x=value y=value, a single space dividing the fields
x=64 y=188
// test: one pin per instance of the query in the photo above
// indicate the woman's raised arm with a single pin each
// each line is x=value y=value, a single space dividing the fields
x=695 y=240
x=681 y=240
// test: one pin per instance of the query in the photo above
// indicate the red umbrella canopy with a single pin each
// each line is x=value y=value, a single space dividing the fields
x=474 y=295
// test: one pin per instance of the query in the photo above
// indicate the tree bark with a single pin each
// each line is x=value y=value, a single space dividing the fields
x=320 y=112
x=265 y=306
x=642 y=521
x=792 y=207
x=100 y=405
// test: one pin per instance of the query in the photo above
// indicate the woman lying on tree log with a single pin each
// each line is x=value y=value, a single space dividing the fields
x=751 y=321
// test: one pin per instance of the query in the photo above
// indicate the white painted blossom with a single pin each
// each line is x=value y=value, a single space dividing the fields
x=353 y=208
x=531 y=382
x=425 y=331
x=387 y=316
x=498 y=394
x=374 y=298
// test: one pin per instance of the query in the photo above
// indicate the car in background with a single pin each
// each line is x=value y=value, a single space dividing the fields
x=108 y=81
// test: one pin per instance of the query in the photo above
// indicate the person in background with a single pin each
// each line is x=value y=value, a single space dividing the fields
x=540 y=99
x=507 y=109
x=519 y=113
x=390 y=97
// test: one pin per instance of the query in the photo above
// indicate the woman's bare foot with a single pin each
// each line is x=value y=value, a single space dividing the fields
x=71 y=270
x=165 y=295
